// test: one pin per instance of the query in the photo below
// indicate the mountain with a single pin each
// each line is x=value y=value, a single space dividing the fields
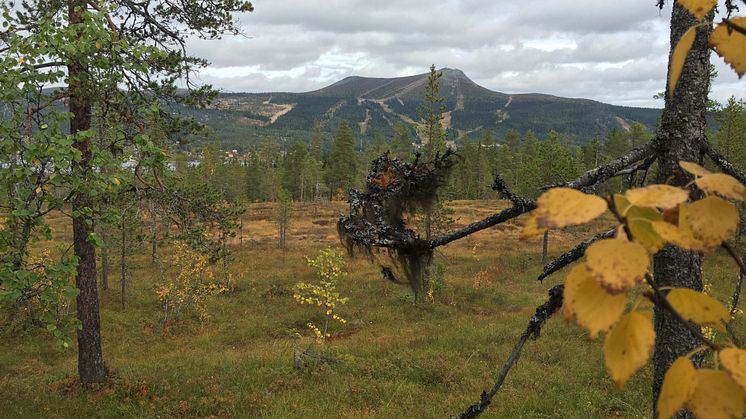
x=374 y=105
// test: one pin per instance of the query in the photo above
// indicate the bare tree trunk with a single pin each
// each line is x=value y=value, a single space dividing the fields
x=123 y=266
x=302 y=188
x=682 y=128
x=226 y=277
x=90 y=355
x=153 y=233
x=240 y=232
x=545 y=249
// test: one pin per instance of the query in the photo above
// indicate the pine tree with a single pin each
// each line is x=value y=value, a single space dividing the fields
x=430 y=111
x=341 y=168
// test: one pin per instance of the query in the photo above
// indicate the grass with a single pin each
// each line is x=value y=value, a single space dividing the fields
x=393 y=358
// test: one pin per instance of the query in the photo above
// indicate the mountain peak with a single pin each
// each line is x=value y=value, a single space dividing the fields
x=453 y=72
x=385 y=88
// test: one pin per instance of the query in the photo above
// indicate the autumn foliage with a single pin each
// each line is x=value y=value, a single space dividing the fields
x=602 y=293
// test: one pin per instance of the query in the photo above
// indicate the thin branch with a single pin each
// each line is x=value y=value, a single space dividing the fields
x=660 y=300
x=543 y=313
x=500 y=217
x=45 y=65
x=573 y=254
x=732 y=26
x=741 y=275
x=610 y=169
x=520 y=206
x=54 y=98
x=724 y=165
x=643 y=165
x=501 y=187
x=732 y=252
x=112 y=26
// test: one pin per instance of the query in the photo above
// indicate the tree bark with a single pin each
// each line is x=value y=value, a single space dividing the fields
x=90 y=356
x=682 y=128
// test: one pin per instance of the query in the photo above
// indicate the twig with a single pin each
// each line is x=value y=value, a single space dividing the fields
x=543 y=313
x=741 y=275
x=657 y=298
x=734 y=27
x=724 y=165
x=520 y=206
x=732 y=252
x=573 y=254
x=501 y=187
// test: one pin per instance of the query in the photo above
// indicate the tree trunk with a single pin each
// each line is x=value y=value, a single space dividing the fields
x=153 y=234
x=104 y=268
x=545 y=249
x=123 y=265
x=681 y=130
x=240 y=232
x=90 y=356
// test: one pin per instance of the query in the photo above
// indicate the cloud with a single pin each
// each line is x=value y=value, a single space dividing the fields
x=613 y=52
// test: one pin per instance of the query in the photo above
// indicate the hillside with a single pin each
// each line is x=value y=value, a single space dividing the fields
x=374 y=105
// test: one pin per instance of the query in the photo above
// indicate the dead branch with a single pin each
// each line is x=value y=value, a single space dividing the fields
x=724 y=165
x=492 y=220
x=608 y=170
x=543 y=313
x=520 y=206
x=573 y=254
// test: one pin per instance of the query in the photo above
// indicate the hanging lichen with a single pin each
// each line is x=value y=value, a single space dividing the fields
x=376 y=220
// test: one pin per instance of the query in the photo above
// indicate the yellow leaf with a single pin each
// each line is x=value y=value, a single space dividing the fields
x=643 y=233
x=562 y=207
x=730 y=44
x=621 y=203
x=657 y=196
x=650 y=214
x=734 y=361
x=38 y=189
x=627 y=347
x=698 y=8
x=678 y=58
x=678 y=384
x=699 y=308
x=723 y=185
x=116 y=181
x=693 y=168
x=617 y=265
x=530 y=229
x=677 y=237
x=712 y=220
x=592 y=307
x=716 y=396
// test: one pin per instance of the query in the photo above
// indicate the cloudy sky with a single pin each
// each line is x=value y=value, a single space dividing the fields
x=611 y=51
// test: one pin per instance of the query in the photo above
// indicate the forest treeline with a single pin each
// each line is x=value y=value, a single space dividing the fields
x=323 y=170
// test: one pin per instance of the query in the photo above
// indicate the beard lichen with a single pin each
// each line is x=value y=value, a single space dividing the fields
x=376 y=222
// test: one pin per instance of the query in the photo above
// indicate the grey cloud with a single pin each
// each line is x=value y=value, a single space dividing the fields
x=609 y=51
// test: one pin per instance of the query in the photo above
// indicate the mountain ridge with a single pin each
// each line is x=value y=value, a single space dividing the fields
x=375 y=104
